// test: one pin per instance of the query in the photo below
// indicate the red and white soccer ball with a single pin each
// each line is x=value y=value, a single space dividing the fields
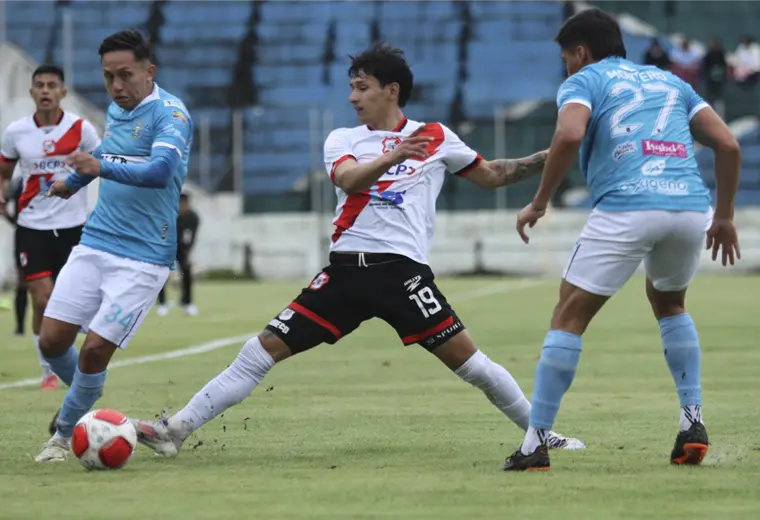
x=103 y=439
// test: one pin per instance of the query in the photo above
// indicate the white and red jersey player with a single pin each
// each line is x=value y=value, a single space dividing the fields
x=397 y=215
x=40 y=152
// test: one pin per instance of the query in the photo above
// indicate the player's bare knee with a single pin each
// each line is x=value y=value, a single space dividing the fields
x=666 y=303
x=456 y=351
x=274 y=346
x=95 y=354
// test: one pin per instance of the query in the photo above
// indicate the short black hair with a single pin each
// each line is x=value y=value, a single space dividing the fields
x=127 y=40
x=596 y=30
x=185 y=197
x=48 y=69
x=388 y=65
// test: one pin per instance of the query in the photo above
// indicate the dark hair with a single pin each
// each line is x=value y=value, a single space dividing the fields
x=388 y=65
x=48 y=69
x=185 y=197
x=128 y=40
x=596 y=30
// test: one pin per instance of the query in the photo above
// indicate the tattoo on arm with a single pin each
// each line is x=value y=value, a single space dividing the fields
x=510 y=171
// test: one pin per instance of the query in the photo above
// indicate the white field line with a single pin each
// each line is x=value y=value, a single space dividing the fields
x=497 y=288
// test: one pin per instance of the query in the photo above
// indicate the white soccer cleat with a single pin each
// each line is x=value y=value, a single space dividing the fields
x=191 y=310
x=55 y=450
x=162 y=310
x=557 y=441
x=157 y=436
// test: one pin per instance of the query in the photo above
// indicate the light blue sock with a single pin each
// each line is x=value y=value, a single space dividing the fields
x=64 y=366
x=554 y=375
x=681 y=346
x=84 y=391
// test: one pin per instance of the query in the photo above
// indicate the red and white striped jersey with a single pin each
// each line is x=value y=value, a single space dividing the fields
x=396 y=215
x=40 y=152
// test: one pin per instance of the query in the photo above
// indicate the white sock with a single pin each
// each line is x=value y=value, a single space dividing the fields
x=689 y=415
x=534 y=438
x=225 y=390
x=46 y=370
x=498 y=385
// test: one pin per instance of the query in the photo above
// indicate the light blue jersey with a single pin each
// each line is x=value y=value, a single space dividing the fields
x=144 y=156
x=638 y=152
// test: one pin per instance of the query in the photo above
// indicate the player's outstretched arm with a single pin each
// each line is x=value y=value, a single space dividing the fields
x=352 y=177
x=500 y=172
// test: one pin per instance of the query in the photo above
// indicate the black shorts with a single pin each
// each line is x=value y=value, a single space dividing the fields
x=391 y=287
x=43 y=253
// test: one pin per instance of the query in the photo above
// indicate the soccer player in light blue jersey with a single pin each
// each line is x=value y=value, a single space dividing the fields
x=129 y=241
x=634 y=126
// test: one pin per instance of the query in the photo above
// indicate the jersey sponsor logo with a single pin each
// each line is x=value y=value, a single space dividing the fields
x=412 y=283
x=387 y=198
x=319 y=281
x=286 y=314
x=390 y=144
x=47 y=164
x=174 y=103
x=277 y=324
x=623 y=149
x=653 y=168
x=179 y=117
x=663 y=148
x=401 y=169
x=114 y=158
x=138 y=128
x=659 y=186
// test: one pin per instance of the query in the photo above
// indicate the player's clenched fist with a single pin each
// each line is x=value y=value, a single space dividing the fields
x=414 y=146
x=84 y=164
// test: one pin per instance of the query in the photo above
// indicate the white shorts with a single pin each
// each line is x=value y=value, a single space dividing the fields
x=105 y=293
x=613 y=244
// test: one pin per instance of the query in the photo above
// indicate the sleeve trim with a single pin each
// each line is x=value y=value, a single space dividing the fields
x=167 y=145
x=467 y=169
x=8 y=160
x=696 y=109
x=576 y=101
x=338 y=163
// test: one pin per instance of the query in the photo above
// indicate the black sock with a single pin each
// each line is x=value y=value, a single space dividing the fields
x=21 y=301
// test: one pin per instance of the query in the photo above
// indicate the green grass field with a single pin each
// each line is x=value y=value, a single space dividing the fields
x=370 y=429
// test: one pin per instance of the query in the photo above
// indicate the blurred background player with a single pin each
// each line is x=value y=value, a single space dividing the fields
x=12 y=191
x=187 y=230
x=46 y=228
x=387 y=173
x=635 y=128
x=113 y=277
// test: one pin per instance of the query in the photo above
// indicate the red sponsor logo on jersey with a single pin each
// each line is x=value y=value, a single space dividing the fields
x=319 y=281
x=390 y=144
x=663 y=148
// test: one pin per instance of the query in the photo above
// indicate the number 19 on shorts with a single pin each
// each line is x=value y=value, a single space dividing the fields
x=426 y=301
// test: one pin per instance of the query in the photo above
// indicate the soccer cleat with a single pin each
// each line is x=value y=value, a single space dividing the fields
x=53 y=426
x=49 y=382
x=557 y=441
x=536 y=461
x=157 y=436
x=163 y=310
x=191 y=310
x=691 y=446
x=55 y=450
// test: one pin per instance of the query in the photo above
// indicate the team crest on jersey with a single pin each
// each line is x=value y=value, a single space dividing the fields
x=138 y=128
x=320 y=281
x=390 y=144
x=48 y=146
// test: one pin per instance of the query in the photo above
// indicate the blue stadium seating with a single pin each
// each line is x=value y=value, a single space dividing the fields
x=510 y=57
